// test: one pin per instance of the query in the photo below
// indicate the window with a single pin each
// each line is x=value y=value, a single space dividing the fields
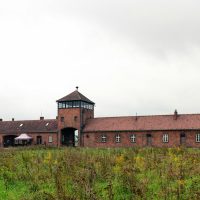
x=90 y=106
x=47 y=124
x=165 y=138
x=76 y=104
x=63 y=105
x=59 y=105
x=84 y=105
x=103 y=138
x=70 y=104
x=21 y=125
x=117 y=138
x=198 y=137
x=133 y=138
x=62 y=119
x=50 y=139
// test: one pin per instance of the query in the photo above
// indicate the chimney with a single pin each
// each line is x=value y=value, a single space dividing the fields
x=56 y=117
x=175 y=114
x=13 y=119
x=1 y=120
x=41 y=118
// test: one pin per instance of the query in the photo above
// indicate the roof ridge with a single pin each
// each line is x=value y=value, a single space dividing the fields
x=159 y=115
x=79 y=94
x=29 y=120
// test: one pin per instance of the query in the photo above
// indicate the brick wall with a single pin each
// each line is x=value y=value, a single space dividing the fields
x=73 y=118
x=45 y=138
x=87 y=114
x=94 y=139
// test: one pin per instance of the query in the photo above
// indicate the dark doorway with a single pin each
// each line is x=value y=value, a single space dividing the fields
x=149 y=139
x=39 y=140
x=68 y=137
x=182 y=139
x=9 y=140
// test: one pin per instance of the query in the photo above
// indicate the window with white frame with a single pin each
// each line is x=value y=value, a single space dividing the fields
x=133 y=137
x=198 y=137
x=50 y=139
x=117 y=138
x=165 y=138
x=103 y=138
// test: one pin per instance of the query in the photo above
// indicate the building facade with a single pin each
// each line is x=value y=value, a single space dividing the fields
x=75 y=125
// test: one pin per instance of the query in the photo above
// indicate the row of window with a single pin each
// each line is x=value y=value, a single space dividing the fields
x=117 y=138
x=62 y=119
x=75 y=104
x=165 y=138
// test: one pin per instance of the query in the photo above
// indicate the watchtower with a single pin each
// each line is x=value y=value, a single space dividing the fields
x=73 y=112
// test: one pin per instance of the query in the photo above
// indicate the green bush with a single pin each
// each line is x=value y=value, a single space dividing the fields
x=110 y=174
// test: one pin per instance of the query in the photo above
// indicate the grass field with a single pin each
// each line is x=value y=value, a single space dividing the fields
x=79 y=173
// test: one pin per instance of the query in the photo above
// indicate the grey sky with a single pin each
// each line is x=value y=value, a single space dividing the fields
x=127 y=56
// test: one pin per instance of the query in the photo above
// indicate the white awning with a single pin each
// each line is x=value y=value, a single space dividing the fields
x=23 y=136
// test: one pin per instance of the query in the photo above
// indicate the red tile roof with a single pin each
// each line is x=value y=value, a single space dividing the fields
x=75 y=96
x=29 y=126
x=141 y=123
x=144 y=123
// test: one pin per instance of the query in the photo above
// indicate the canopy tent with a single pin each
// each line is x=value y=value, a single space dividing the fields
x=23 y=139
x=23 y=136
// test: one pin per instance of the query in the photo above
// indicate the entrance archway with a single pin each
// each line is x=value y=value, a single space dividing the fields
x=69 y=137
x=9 y=140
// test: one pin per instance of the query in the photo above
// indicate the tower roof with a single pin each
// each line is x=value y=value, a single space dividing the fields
x=75 y=96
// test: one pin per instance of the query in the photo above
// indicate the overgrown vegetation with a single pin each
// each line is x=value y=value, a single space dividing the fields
x=79 y=173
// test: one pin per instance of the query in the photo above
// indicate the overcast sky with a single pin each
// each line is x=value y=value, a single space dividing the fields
x=127 y=56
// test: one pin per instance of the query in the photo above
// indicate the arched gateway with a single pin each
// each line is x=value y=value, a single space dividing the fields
x=73 y=112
x=69 y=137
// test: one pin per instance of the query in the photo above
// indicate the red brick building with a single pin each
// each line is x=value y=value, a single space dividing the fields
x=76 y=122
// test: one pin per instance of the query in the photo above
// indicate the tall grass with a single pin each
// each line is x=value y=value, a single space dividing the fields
x=80 y=173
